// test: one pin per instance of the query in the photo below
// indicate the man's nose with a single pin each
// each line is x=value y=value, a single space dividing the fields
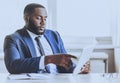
x=43 y=22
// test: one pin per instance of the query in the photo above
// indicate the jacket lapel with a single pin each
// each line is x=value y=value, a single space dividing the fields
x=26 y=37
x=52 y=42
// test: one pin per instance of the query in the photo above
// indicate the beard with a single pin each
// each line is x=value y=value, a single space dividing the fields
x=33 y=28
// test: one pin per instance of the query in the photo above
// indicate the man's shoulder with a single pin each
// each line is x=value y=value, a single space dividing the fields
x=49 y=31
x=14 y=35
x=52 y=34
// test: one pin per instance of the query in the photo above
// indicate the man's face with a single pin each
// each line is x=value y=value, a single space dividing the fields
x=37 y=21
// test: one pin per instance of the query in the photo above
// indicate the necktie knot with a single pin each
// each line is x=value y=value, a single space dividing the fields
x=40 y=47
x=37 y=38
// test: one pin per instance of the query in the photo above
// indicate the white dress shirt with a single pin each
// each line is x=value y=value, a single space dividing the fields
x=46 y=47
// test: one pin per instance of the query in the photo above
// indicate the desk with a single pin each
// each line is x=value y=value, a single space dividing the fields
x=68 y=78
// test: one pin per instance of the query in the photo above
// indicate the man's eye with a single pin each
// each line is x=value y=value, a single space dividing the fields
x=45 y=19
x=38 y=18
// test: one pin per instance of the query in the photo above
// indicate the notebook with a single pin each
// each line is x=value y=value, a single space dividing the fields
x=84 y=57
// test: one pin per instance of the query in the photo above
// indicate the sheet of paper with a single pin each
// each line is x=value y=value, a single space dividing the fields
x=18 y=77
x=41 y=76
x=85 y=56
x=32 y=76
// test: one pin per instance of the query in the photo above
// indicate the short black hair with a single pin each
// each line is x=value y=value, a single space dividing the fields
x=29 y=9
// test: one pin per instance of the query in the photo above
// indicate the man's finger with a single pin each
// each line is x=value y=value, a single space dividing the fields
x=71 y=56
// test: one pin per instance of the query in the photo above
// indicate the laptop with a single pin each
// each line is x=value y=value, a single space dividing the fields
x=84 y=57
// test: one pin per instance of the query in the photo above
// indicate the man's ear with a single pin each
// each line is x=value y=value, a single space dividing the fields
x=26 y=18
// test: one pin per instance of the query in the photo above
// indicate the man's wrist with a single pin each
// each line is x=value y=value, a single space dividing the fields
x=47 y=60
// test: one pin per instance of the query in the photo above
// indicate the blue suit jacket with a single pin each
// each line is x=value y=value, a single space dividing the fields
x=20 y=55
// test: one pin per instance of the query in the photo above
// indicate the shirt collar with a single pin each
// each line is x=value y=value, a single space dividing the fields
x=33 y=35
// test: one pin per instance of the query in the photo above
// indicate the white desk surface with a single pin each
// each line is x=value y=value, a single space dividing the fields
x=67 y=78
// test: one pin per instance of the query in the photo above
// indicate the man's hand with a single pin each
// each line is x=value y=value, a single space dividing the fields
x=63 y=60
x=86 y=68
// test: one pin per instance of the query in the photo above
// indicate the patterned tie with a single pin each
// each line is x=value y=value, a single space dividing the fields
x=40 y=47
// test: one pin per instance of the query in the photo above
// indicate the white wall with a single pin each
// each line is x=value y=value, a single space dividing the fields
x=83 y=18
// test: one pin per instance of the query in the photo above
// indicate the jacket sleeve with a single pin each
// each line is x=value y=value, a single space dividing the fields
x=14 y=61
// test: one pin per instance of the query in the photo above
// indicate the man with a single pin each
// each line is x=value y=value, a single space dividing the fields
x=23 y=53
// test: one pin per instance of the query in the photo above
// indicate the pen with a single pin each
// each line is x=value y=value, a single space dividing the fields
x=28 y=75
